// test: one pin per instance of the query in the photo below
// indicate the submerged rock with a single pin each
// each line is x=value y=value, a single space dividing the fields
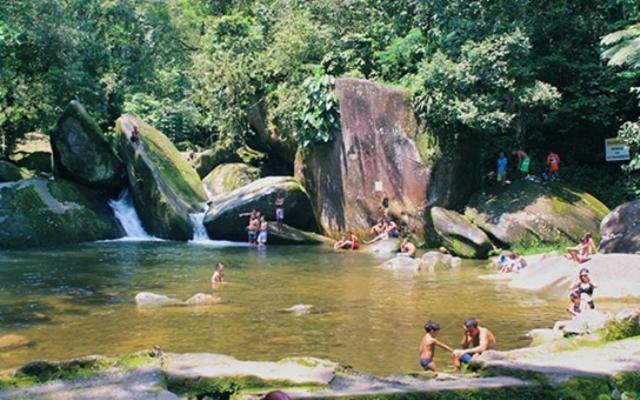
x=10 y=172
x=300 y=309
x=459 y=235
x=620 y=229
x=164 y=186
x=148 y=299
x=33 y=152
x=201 y=299
x=227 y=177
x=400 y=263
x=12 y=342
x=223 y=220
x=82 y=153
x=39 y=212
x=526 y=212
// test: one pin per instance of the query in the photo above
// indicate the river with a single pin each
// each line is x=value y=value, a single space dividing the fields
x=78 y=300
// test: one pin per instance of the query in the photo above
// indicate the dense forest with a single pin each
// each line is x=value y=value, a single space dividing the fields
x=533 y=75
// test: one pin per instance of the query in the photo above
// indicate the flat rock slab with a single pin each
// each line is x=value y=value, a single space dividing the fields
x=366 y=385
x=614 y=358
x=142 y=384
x=207 y=365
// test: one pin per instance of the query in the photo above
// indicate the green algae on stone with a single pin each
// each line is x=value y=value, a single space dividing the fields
x=82 y=153
x=165 y=188
x=227 y=177
x=459 y=235
x=39 y=212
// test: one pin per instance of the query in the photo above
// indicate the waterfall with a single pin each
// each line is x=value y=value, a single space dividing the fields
x=126 y=213
x=199 y=231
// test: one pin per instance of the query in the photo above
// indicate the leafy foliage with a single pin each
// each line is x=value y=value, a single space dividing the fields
x=320 y=115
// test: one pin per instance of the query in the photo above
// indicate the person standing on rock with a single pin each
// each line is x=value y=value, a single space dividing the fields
x=280 y=208
x=524 y=163
x=479 y=338
x=585 y=286
x=502 y=168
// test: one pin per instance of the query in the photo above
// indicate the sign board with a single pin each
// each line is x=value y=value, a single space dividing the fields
x=616 y=150
x=377 y=186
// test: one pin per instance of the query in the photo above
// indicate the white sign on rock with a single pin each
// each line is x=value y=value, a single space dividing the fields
x=616 y=150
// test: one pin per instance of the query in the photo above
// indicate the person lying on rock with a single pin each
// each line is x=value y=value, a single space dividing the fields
x=428 y=345
x=218 y=275
x=481 y=339
x=584 y=285
x=351 y=243
x=407 y=248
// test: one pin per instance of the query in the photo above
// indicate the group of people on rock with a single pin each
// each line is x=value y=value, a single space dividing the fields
x=475 y=341
x=384 y=229
x=514 y=262
x=552 y=172
x=258 y=226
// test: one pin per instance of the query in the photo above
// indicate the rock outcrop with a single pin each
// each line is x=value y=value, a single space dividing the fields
x=616 y=275
x=459 y=235
x=526 y=212
x=206 y=161
x=227 y=177
x=33 y=152
x=285 y=234
x=164 y=186
x=429 y=262
x=10 y=172
x=39 y=212
x=620 y=229
x=223 y=220
x=82 y=153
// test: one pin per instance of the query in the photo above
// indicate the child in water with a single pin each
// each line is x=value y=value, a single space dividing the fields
x=218 y=275
x=428 y=345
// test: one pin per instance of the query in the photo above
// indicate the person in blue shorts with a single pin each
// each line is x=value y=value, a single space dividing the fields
x=476 y=340
x=502 y=168
x=428 y=345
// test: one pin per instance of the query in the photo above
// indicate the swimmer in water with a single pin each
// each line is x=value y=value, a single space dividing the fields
x=218 y=275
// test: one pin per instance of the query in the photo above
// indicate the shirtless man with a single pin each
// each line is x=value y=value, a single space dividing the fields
x=380 y=230
x=407 y=248
x=480 y=338
x=218 y=275
x=428 y=345
x=264 y=227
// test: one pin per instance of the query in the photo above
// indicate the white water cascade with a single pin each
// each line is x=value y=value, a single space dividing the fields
x=126 y=213
x=199 y=231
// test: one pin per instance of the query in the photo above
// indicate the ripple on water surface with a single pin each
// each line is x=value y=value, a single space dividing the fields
x=79 y=300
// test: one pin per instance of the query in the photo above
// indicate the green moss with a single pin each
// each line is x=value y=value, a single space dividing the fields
x=428 y=147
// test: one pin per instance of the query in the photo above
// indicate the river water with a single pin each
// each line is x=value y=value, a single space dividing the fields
x=78 y=300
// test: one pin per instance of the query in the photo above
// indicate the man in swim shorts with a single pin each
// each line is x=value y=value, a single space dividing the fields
x=481 y=339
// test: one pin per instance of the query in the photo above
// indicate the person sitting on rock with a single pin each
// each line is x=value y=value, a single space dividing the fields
x=264 y=227
x=575 y=309
x=351 y=243
x=584 y=285
x=218 y=275
x=582 y=252
x=380 y=230
x=428 y=345
x=392 y=229
x=513 y=263
x=135 y=135
x=482 y=339
x=407 y=249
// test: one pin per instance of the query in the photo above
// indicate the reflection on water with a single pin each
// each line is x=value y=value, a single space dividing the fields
x=78 y=301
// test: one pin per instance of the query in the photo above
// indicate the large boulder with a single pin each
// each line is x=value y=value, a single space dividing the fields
x=620 y=229
x=223 y=220
x=10 y=172
x=82 y=153
x=616 y=275
x=39 y=212
x=285 y=234
x=459 y=235
x=379 y=152
x=33 y=151
x=165 y=188
x=527 y=212
x=227 y=177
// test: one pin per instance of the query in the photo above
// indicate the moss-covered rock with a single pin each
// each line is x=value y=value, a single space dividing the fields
x=223 y=220
x=10 y=172
x=284 y=234
x=459 y=235
x=33 y=152
x=166 y=189
x=221 y=153
x=525 y=213
x=82 y=153
x=227 y=177
x=38 y=212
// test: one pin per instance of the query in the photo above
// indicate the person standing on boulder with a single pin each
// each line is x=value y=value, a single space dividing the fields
x=502 y=168
x=280 y=208
x=524 y=163
x=585 y=286
x=482 y=339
